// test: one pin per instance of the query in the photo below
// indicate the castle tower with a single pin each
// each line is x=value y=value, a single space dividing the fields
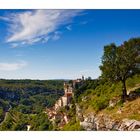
x=68 y=94
x=68 y=88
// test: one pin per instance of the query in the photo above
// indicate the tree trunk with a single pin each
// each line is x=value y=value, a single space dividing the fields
x=124 y=91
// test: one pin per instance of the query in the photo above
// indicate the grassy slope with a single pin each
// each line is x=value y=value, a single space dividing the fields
x=97 y=100
x=130 y=110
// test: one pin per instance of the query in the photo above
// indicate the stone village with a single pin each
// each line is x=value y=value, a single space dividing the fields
x=54 y=112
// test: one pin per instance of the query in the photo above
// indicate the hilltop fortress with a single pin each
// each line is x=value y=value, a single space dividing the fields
x=65 y=100
x=68 y=93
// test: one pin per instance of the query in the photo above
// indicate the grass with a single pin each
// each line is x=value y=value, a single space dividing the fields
x=98 y=100
x=130 y=110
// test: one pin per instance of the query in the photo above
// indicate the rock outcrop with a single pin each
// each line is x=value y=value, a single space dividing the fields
x=99 y=122
x=130 y=125
x=103 y=122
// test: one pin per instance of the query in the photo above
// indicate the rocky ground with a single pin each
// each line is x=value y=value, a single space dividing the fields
x=104 y=121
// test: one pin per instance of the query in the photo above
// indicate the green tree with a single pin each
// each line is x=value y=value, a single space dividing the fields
x=40 y=122
x=122 y=62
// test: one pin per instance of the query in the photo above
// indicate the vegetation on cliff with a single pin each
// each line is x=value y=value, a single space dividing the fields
x=23 y=101
x=117 y=89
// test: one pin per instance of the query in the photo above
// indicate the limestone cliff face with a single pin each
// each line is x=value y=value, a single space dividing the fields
x=103 y=122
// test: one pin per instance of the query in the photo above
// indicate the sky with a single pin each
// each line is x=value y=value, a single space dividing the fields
x=60 y=44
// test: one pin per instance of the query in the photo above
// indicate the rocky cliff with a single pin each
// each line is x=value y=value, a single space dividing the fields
x=104 y=122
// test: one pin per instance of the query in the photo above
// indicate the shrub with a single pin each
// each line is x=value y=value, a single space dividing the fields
x=73 y=126
x=100 y=103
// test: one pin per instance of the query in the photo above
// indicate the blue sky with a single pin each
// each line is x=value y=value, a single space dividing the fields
x=60 y=44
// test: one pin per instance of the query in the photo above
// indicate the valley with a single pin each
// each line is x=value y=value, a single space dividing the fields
x=109 y=102
x=91 y=103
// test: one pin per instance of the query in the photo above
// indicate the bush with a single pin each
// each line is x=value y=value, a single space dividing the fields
x=100 y=103
x=72 y=126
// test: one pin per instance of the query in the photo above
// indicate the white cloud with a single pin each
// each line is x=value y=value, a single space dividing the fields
x=37 y=25
x=12 y=66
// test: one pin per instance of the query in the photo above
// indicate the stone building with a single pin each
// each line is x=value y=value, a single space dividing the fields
x=66 y=99
x=54 y=112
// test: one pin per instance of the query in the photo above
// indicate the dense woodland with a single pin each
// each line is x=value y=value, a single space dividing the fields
x=24 y=100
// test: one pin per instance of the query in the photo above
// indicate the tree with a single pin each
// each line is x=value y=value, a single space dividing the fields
x=122 y=62
x=40 y=122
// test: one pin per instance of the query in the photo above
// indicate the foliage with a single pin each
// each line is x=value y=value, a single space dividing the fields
x=88 y=86
x=120 y=63
x=131 y=82
x=100 y=103
x=27 y=95
x=24 y=98
x=40 y=122
x=19 y=121
x=14 y=121
x=99 y=97
x=72 y=126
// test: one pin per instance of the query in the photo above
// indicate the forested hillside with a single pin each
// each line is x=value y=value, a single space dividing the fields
x=23 y=101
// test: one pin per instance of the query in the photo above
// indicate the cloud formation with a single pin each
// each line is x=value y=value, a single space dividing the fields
x=37 y=25
x=12 y=66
